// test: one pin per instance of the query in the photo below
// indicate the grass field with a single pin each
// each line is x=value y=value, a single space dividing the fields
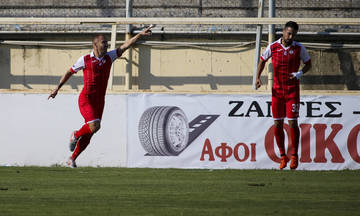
x=121 y=191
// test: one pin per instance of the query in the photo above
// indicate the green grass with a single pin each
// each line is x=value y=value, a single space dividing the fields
x=120 y=191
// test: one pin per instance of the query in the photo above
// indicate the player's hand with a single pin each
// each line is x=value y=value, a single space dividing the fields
x=258 y=83
x=147 y=31
x=296 y=75
x=53 y=94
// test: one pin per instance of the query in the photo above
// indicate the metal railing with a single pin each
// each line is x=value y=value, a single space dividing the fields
x=173 y=21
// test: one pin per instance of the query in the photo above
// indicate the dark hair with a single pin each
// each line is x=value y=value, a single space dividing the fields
x=97 y=36
x=292 y=24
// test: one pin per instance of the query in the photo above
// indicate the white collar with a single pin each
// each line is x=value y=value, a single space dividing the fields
x=279 y=41
x=93 y=55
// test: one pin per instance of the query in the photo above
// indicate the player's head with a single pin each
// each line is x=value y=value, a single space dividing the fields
x=290 y=31
x=100 y=44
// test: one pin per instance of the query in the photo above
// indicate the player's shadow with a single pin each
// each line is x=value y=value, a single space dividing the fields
x=348 y=70
x=5 y=70
x=331 y=73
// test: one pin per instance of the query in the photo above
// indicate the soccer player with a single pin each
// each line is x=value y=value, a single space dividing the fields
x=96 y=67
x=286 y=55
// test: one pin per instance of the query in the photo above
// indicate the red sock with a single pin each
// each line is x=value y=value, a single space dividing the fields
x=81 y=146
x=294 y=138
x=85 y=129
x=279 y=136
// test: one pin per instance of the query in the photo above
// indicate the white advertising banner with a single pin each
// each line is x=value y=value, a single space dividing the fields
x=235 y=131
x=35 y=131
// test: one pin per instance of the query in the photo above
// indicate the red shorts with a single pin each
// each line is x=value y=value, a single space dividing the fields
x=91 y=107
x=285 y=105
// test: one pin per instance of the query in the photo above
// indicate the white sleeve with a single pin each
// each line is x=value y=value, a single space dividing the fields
x=304 y=55
x=266 y=54
x=79 y=65
x=114 y=54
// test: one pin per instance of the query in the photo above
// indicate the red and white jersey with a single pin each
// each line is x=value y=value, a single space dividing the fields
x=96 y=71
x=285 y=60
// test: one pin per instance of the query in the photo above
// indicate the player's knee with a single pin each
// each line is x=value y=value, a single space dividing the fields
x=97 y=127
x=293 y=124
x=94 y=126
x=279 y=124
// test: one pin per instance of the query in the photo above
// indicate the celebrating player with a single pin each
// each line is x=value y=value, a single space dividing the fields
x=286 y=55
x=96 y=67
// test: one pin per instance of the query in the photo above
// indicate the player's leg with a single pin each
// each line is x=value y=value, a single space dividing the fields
x=81 y=146
x=279 y=135
x=292 y=112
x=294 y=143
x=95 y=116
x=91 y=116
x=94 y=125
x=280 y=141
x=85 y=129
x=294 y=136
x=84 y=141
x=278 y=110
x=89 y=127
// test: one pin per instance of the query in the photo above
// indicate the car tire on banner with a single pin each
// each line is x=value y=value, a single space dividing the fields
x=164 y=130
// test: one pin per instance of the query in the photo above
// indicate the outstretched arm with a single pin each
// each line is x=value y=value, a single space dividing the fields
x=131 y=41
x=260 y=69
x=63 y=80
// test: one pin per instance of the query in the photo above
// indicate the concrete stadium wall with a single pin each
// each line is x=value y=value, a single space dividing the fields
x=171 y=69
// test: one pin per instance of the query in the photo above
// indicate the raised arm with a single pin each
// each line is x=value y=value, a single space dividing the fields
x=131 y=41
x=63 y=80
